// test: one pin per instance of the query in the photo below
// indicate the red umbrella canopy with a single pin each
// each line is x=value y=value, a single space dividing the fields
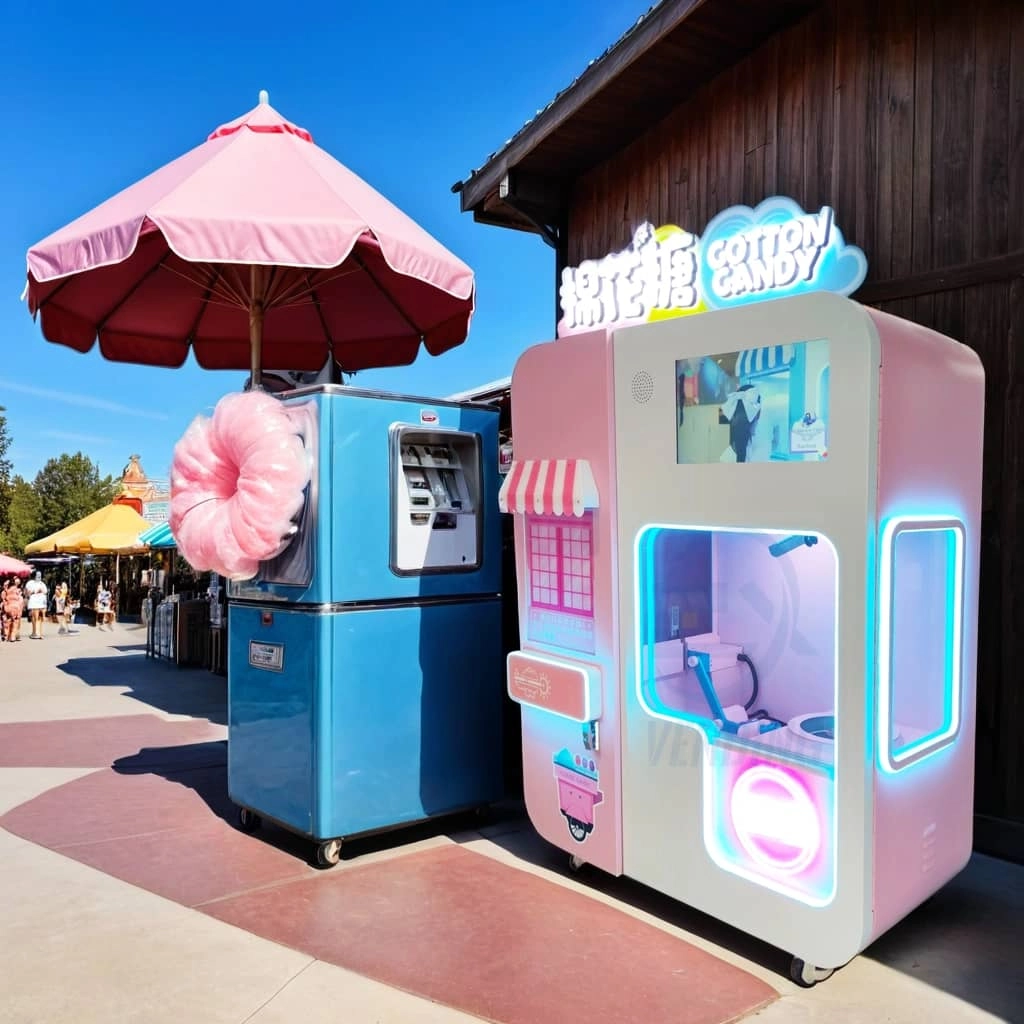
x=255 y=241
x=10 y=566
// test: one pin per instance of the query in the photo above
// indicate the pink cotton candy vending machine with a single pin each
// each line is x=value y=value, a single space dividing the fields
x=747 y=556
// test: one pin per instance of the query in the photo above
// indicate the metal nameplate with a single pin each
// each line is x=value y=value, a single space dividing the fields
x=268 y=656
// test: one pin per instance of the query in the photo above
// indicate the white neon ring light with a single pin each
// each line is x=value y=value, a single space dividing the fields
x=756 y=818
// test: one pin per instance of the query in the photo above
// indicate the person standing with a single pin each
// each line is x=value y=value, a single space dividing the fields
x=35 y=592
x=61 y=600
x=14 y=605
x=104 y=611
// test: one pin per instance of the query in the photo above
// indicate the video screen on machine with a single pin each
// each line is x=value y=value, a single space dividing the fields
x=768 y=404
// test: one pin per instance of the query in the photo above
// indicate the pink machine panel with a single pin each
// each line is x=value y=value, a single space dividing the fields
x=747 y=554
x=559 y=490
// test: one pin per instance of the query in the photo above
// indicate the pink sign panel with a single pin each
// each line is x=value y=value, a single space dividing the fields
x=571 y=691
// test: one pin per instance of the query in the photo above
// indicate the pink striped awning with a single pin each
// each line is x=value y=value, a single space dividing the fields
x=558 y=487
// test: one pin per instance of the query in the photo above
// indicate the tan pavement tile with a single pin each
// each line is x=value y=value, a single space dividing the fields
x=80 y=947
x=18 y=785
x=325 y=993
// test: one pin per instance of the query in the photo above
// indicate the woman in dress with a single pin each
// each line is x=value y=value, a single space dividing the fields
x=35 y=595
x=104 y=611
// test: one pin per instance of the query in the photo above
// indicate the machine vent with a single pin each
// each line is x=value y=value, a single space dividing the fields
x=928 y=838
x=643 y=387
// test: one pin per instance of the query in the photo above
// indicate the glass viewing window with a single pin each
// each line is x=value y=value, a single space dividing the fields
x=920 y=637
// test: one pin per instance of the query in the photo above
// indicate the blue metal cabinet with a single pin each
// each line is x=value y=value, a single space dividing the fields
x=364 y=695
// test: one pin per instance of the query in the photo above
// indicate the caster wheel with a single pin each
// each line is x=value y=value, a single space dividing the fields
x=807 y=975
x=575 y=863
x=248 y=821
x=328 y=853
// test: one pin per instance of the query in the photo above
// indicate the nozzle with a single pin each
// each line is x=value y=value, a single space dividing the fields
x=783 y=547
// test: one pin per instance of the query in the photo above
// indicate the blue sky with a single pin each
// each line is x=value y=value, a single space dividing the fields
x=410 y=96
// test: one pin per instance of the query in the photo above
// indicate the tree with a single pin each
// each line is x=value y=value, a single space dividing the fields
x=22 y=518
x=68 y=488
x=5 y=473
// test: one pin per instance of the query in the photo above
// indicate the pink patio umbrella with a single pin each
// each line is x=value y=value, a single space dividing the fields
x=255 y=248
x=10 y=566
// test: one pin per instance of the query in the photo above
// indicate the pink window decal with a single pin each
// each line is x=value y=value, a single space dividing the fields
x=561 y=564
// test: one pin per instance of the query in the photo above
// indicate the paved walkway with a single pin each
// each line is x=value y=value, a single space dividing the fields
x=126 y=895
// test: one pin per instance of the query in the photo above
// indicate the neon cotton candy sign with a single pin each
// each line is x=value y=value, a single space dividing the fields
x=657 y=272
x=766 y=257
x=775 y=250
x=745 y=255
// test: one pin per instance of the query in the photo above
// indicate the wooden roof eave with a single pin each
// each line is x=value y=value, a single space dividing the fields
x=481 y=189
x=525 y=188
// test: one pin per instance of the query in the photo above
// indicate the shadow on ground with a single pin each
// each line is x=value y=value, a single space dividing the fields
x=202 y=767
x=964 y=941
x=160 y=684
x=516 y=836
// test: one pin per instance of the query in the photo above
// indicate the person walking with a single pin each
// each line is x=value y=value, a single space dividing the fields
x=14 y=606
x=60 y=605
x=35 y=592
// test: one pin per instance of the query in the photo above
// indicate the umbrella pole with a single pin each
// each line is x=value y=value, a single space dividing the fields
x=256 y=328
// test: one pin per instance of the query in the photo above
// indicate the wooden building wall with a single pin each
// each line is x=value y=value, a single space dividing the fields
x=906 y=116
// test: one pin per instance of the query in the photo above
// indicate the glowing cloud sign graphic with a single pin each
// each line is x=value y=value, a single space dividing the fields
x=745 y=255
x=773 y=250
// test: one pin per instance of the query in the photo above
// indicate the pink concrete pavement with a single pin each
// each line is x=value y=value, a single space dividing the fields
x=126 y=813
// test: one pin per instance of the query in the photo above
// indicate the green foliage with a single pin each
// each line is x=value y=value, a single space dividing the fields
x=22 y=518
x=65 y=489
x=68 y=488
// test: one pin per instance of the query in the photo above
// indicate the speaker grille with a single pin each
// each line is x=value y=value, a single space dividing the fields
x=643 y=387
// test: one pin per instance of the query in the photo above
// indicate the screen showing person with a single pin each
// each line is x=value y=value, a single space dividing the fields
x=760 y=404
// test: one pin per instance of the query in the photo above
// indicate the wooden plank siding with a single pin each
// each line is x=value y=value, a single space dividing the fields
x=906 y=116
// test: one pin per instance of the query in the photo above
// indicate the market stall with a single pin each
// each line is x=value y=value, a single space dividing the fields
x=111 y=531
x=186 y=627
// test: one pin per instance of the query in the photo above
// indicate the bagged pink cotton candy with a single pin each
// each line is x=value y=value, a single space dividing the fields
x=238 y=481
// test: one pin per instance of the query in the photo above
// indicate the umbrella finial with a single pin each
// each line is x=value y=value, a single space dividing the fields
x=264 y=96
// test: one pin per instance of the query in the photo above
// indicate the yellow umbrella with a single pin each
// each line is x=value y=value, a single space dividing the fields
x=111 y=530
x=43 y=546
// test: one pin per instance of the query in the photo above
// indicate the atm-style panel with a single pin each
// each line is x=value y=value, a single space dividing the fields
x=436 y=504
